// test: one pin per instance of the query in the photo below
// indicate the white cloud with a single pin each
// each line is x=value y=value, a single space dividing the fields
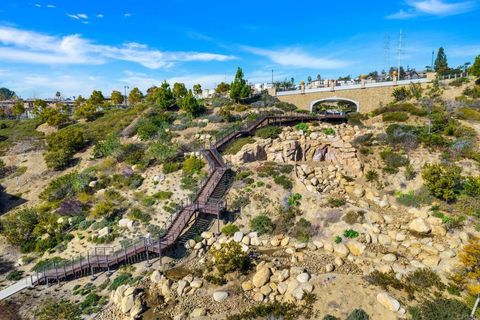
x=82 y=16
x=32 y=47
x=37 y=5
x=126 y=15
x=100 y=15
x=51 y=6
x=438 y=8
x=295 y=57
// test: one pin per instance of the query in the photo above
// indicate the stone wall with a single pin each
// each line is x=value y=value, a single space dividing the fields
x=369 y=98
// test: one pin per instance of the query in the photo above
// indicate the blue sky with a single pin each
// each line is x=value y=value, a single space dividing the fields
x=77 y=46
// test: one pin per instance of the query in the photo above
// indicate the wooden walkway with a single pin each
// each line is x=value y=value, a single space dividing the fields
x=106 y=259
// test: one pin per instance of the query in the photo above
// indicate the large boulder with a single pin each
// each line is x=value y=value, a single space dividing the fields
x=388 y=301
x=355 y=247
x=219 y=296
x=420 y=226
x=261 y=277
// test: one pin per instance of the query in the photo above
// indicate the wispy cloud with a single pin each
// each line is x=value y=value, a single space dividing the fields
x=438 y=8
x=51 y=6
x=100 y=16
x=32 y=47
x=295 y=57
x=126 y=15
x=38 y=5
x=82 y=17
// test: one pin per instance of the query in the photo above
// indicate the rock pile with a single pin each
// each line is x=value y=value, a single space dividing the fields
x=129 y=300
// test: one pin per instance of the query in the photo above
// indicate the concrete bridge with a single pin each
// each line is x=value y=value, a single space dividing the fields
x=365 y=97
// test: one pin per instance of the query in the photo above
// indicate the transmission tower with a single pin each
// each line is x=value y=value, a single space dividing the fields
x=400 y=49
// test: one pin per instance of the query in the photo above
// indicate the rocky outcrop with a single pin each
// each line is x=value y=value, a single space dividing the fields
x=129 y=300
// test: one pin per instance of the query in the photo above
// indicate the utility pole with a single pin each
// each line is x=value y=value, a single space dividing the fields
x=125 y=100
x=400 y=43
x=272 y=77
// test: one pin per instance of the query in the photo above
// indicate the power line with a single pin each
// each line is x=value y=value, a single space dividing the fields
x=400 y=45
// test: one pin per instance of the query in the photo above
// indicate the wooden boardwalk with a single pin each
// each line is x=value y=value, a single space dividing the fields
x=106 y=259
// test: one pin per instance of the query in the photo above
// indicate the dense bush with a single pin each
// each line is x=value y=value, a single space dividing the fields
x=230 y=257
x=395 y=117
x=401 y=94
x=229 y=230
x=384 y=280
x=192 y=165
x=271 y=132
x=416 y=198
x=121 y=279
x=103 y=209
x=111 y=146
x=58 y=310
x=262 y=224
x=62 y=145
x=371 y=176
x=358 y=314
x=271 y=310
x=336 y=202
x=170 y=167
x=393 y=160
x=66 y=186
x=444 y=181
x=425 y=278
x=352 y=217
x=303 y=230
x=17 y=227
x=440 y=309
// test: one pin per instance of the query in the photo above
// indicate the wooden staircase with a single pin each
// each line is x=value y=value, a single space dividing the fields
x=208 y=200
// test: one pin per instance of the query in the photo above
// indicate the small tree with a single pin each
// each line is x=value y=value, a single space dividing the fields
x=222 y=88
x=18 y=227
x=96 y=99
x=441 y=64
x=475 y=68
x=38 y=106
x=179 y=90
x=135 y=96
x=116 y=98
x=190 y=104
x=239 y=87
x=18 y=109
x=197 y=89
x=59 y=310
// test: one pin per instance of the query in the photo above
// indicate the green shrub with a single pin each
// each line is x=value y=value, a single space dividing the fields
x=393 y=159
x=192 y=165
x=229 y=230
x=59 y=159
x=270 y=132
x=237 y=145
x=371 y=176
x=163 y=195
x=121 y=279
x=45 y=264
x=262 y=224
x=18 y=227
x=330 y=317
x=468 y=113
x=336 y=202
x=14 y=275
x=170 y=167
x=111 y=146
x=415 y=198
x=304 y=127
x=358 y=314
x=425 y=278
x=337 y=239
x=294 y=199
x=410 y=172
x=230 y=257
x=219 y=281
x=384 y=280
x=283 y=181
x=103 y=209
x=329 y=131
x=139 y=215
x=444 y=181
x=350 y=233
x=401 y=94
x=270 y=310
x=303 y=230
x=58 y=310
x=440 y=309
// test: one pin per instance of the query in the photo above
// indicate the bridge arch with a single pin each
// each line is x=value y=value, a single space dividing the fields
x=353 y=103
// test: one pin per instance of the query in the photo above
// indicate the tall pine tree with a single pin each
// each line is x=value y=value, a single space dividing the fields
x=441 y=64
x=239 y=87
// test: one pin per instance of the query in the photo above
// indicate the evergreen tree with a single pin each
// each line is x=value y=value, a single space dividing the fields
x=197 y=89
x=135 y=96
x=189 y=104
x=179 y=90
x=475 y=68
x=116 y=98
x=96 y=98
x=441 y=65
x=239 y=87
x=164 y=98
